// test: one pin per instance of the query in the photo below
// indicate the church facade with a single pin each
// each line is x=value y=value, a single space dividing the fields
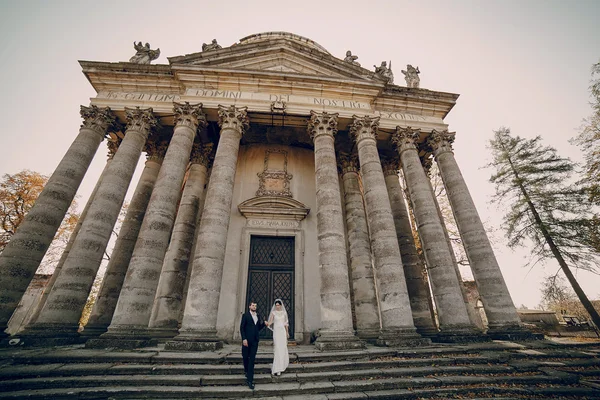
x=272 y=171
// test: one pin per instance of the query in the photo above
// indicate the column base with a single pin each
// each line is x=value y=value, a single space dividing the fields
x=338 y=340
x=163 y=333
x=195 y=341
x=119 y=343
x=402 y=338
x=428 y=332
x=48 y=335
x=93 y=330
x=368 y=335
x=460 y=334
x=513 y=332
x=122 y=337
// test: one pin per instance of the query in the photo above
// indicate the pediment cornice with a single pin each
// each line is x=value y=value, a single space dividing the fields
x=273 y=207
x=280 y=55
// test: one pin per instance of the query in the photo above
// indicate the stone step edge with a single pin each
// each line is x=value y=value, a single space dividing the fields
x=9 y=371
x=230 y=359
x=395 y=393
x=555 y=377
x=211 y=380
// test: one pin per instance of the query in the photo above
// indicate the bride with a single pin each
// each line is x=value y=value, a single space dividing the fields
x=278 y=323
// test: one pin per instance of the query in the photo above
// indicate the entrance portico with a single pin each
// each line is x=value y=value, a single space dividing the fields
x=277 y=209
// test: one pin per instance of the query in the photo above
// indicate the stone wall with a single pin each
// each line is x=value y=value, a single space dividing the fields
x=300 y=165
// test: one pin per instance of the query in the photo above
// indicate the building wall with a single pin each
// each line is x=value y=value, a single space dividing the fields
x=307 y=289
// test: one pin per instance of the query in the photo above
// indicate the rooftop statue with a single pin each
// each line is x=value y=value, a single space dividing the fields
x=211 y=46
x=350 y=58
x=143 y=53
x=385 y=72
x=411 y=76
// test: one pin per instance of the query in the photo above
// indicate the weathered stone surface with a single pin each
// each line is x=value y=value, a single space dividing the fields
x=22 y=255
x=363 y=284
x=418 y=290
x=134 y=307
x=105 y=304
x=336 y=309
x=202 y=303
x=69 y=294
x=169 y=296
x=451 y=309
x=500 y=310
x=396 y=316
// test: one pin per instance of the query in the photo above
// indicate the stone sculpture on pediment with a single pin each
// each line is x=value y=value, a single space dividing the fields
x=411 y=76
x=351 y=59
x=211 y=46
x=385 y=72
x=144 y=55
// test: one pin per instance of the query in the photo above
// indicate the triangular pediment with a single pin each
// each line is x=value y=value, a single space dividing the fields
x=278 y=53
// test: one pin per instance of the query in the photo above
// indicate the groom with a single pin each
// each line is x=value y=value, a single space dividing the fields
x=250 y=327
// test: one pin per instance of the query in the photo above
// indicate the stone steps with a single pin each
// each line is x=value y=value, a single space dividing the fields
x=175 y=387
x=498 y=369
x=399 y=367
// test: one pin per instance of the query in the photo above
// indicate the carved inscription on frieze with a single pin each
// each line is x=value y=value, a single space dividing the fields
x=272 y=223
x=397 y=115
x=287 y=99
x=141 y=96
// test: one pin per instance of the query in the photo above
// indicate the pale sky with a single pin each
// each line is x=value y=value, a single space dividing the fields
x=521 y=64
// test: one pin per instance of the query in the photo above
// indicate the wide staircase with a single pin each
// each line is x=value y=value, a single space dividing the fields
x=506 y=370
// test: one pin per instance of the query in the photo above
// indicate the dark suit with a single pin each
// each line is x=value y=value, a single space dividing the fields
x=249 y=331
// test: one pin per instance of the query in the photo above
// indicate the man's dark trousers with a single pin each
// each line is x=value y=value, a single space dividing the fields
x=250 y=331
x=249 y=356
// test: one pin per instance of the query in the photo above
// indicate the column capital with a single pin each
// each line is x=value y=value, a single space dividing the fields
x=156 y=149
x=113 y=142
x=390 y=165
x=190 y=115
x=405 y=138
x=233 y=117
x=202 y=153
x=441 y=142
x=347 y=163
x=364 y=127
x=139 y=119
x=322 y=124
x=98 y=119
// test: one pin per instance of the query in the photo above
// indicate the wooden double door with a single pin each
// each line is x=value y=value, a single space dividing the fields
x=271 y=276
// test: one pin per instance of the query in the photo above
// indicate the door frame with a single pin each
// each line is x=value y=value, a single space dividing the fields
x=292 y=229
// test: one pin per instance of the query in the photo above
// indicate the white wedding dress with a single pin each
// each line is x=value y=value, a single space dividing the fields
x=281 y=358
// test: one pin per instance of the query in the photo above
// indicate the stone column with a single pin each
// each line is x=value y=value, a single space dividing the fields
x=134 y=307
x=164 y=321
x=105 y=304
x=336 y=308
x=452 y=313
x=475 y=319
x=194 y=241
x=363 y=282
x=504 y=322
x=199 y=325
x=22 y=256
x=113 y=145
x=60 y=316
x=394 y=303
x=413 y=269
